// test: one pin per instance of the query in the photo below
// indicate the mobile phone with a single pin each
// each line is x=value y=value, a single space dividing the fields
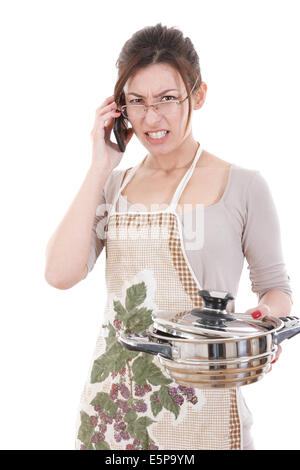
x=119 y=131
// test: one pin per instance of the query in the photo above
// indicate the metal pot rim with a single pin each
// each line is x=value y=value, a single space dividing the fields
x=174 y=332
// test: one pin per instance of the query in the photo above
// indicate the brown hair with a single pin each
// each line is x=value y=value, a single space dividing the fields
x=155 y=45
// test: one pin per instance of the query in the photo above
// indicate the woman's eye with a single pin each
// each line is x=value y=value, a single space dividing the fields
x=137 y=100
x=168 y=96
x=134 y=101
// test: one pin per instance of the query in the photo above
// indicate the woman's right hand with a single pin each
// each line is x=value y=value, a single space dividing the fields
x=106 y=153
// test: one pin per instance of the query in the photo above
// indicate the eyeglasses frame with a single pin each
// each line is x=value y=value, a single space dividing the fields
x=145 y=106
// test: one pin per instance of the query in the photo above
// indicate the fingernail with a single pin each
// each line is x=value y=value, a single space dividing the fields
x=273 y=362
x=256 y=314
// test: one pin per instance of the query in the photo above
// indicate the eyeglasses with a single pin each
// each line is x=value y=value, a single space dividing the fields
x=167 y=108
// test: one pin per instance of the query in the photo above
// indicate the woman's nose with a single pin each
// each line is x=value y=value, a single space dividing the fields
x=151 y=115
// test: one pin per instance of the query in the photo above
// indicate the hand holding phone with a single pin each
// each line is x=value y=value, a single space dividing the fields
x=106 y=153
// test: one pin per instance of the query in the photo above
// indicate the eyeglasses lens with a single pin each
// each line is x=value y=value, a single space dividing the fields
x=134 y=111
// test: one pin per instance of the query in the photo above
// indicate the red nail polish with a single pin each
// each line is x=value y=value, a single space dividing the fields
x=256 y=314
x=273 y=362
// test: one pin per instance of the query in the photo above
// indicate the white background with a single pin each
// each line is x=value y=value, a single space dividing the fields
x=58 y=65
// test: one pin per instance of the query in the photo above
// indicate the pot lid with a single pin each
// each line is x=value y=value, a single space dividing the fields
x=213 y=320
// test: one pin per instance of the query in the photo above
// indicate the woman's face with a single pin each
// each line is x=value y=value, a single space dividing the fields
x=149 y=83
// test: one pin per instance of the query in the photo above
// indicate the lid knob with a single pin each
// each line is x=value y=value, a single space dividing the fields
x=213 y=314
x=216 y=300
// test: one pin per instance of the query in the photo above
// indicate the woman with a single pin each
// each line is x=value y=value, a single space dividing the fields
x=155 y=260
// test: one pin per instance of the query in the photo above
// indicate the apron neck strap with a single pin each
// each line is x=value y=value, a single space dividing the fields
x=185 y=179
x=125 y=182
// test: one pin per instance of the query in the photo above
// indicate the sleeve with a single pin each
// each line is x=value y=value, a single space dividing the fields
x=261 y=240
x=98 y=232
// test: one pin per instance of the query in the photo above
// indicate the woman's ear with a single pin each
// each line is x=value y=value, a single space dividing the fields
x=200 y=96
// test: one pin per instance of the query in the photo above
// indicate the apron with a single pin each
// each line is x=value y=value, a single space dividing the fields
x=129 y=401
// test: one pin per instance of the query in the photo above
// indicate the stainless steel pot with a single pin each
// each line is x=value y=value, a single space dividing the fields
x=210 y=348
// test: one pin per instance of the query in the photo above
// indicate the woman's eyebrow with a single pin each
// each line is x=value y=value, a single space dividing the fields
x=154 y=96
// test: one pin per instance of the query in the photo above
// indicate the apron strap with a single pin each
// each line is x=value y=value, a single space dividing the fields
x=125 y=182
x=185 y=180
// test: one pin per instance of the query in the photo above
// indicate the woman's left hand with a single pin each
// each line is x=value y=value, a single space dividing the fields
x=261 y=311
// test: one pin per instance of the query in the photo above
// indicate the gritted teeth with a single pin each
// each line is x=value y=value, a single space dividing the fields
x=153 y=132
x=164 y=132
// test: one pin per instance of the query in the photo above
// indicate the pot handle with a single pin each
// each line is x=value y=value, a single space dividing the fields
x=291 y=328
x=142 y=343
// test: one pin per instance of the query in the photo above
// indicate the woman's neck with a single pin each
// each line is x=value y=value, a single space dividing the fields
x=182 y=157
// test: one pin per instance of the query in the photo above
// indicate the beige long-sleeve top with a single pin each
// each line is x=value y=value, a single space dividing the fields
x=242 y=224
